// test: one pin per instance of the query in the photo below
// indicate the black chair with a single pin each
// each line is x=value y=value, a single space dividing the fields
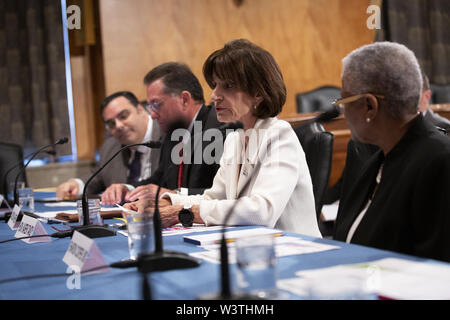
x=318 y=147
x=439 y=93
x=10 y=155
x=317 y=100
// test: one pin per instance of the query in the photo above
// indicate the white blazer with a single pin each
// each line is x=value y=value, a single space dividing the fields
x=280 y=195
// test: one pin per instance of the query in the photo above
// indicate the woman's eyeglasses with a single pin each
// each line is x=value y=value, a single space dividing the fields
x=341 y=102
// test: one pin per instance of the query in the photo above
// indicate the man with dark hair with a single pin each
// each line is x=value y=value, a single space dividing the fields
x=126 y=122
x=174 y=94
x=424 y=107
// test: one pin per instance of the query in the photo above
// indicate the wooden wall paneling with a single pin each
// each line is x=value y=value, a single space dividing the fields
x=308 y=38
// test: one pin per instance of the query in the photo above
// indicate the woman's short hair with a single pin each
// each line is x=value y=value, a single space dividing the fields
x=386 y=68
x=253 y=70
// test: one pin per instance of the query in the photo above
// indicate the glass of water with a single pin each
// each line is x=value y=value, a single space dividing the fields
x=26 y=199
x=94 y=212
x=140 y=233
x=256 y=262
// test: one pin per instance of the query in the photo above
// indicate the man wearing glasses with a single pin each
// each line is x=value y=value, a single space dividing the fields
x=127 y=122
x=173 y=94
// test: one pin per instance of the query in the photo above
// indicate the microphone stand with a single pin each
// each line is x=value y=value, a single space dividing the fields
x=97 y=231
x=225 y=293
x=16 y=196
x=160 y=259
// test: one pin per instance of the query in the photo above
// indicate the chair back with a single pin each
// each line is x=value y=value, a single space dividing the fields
x=10 y=155
x=318 y=147
x=317 y=100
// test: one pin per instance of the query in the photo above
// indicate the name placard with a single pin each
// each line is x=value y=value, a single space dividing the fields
x=12 y=222
x=84 y=254
x=30 y=226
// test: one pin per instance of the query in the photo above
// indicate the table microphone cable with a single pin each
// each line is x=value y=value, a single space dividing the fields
x=51 y=275
x=59 y=234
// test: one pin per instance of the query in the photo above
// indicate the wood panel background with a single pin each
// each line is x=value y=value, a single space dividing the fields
x=308 y=38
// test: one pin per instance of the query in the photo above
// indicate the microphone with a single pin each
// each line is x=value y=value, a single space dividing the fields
x=225 y=291
x=60 y=141
x=160 y=259
x=323 y=117
x=96 y=231
x=5 y=179
x=231 y=125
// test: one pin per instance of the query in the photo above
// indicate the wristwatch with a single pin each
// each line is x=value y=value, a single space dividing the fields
x=186 y=216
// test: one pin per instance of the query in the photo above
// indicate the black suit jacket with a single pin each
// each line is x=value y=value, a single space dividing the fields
x=437 y=120
x=196 y=176
x=410 y=212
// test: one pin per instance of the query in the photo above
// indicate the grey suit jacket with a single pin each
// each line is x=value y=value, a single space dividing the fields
x=116 y=171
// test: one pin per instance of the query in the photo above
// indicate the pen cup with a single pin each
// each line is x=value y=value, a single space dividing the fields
x=94 y=212
x=26 y=199
x=256 y=266
x=140 y=233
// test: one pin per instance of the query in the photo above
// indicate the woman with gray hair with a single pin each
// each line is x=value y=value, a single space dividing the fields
x=401 y=200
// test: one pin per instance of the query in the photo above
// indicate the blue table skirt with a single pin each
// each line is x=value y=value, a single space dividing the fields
x=19 y=259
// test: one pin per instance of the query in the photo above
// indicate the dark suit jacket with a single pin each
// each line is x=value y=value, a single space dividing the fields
x=437 y=120
x=196 y=177
x=116 y=171
x=410 y=212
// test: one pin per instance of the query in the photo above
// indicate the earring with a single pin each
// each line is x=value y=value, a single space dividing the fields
x=254 y=106
x=367 y=120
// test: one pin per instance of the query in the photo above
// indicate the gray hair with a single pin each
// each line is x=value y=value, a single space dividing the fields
x=385 y=68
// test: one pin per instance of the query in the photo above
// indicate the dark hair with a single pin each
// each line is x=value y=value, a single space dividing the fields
x=253 y=70
x=176 y=78
x=126 y=94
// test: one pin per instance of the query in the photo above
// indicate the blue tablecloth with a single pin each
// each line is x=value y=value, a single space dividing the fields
x=19 y=259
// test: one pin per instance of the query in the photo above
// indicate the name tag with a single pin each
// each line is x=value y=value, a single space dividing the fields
x=30 y=226
x=84 y=255
x=12 y=222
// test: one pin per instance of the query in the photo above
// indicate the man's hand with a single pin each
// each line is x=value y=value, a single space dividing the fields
x=115 y=193
x=145 y=192
x=147 y=205
x=68 y=189
x=169 y=215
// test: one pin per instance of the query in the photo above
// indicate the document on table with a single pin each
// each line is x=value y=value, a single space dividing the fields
x=391 y=278
x=179 y=229
x=284 y=246
x=214 y=238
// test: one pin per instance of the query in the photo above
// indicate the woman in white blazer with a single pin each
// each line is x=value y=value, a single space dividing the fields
x=248 y=87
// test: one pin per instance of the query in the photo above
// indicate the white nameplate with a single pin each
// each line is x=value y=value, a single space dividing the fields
x=12 y=222
x=84 y=254
x=30 y=226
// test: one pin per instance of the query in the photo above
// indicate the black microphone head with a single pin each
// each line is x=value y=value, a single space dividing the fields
x=62 y=140
x=153 y=144
x=231 y=125
x=328 y=115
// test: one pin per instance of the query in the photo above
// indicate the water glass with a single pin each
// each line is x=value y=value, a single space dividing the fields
x=26 y=199
x=140 y=234
x=256 y=262
x=94 y=212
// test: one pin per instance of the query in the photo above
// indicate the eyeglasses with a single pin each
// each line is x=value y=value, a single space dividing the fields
x=341 y=102
x=110 y=124
x=154 y=106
